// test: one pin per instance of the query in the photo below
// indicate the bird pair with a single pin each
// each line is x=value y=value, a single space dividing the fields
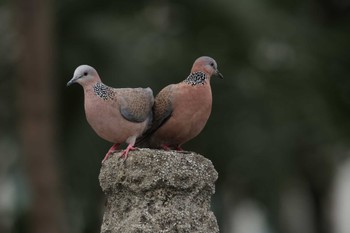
x=176 y=115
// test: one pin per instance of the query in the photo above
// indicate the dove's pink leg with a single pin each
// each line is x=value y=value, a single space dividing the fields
x=168 y=147
x=126 y=151
x=165 y=147
x=110 y=151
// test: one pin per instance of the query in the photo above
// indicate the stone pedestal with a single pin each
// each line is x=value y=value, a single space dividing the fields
x=158 y=191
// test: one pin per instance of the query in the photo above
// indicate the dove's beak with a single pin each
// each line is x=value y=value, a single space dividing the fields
x=70 y=82
x=73 y=80
x=219 y=74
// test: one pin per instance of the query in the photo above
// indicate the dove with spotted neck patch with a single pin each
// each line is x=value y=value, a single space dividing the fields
x=117 y=115
x=181 y=110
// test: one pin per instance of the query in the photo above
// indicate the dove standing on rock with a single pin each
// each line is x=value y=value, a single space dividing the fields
x=117 y=115
x=181 y=110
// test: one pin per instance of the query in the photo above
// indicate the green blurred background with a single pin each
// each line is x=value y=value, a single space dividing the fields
x=278 y=135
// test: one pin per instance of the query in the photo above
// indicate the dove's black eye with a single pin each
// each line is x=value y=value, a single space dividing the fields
x=85 y=73
x=212 y=64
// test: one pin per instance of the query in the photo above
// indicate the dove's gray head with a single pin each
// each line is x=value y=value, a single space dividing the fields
x=207 y=65
x=83 y=75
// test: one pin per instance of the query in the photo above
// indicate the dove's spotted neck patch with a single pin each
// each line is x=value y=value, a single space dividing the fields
x=103 y=91
x=196 y=78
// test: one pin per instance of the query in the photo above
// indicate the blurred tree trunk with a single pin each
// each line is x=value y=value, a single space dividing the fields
x=37 y=113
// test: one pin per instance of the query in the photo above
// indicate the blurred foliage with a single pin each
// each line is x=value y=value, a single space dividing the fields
x=280 y=114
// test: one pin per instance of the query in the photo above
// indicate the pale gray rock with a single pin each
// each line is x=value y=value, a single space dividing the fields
x=158 y=191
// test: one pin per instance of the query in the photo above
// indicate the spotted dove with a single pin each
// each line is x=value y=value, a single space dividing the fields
x=117 y=115
x=181 y=110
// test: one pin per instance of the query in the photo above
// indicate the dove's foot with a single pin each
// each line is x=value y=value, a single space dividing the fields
x=124 y=155
x=110 y=151
x=165 y=147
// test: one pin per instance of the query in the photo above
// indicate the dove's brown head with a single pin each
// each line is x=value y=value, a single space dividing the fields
x=207 y=65
x=84 y=75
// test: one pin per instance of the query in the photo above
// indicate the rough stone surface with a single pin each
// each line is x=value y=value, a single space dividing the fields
x=158 y=191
